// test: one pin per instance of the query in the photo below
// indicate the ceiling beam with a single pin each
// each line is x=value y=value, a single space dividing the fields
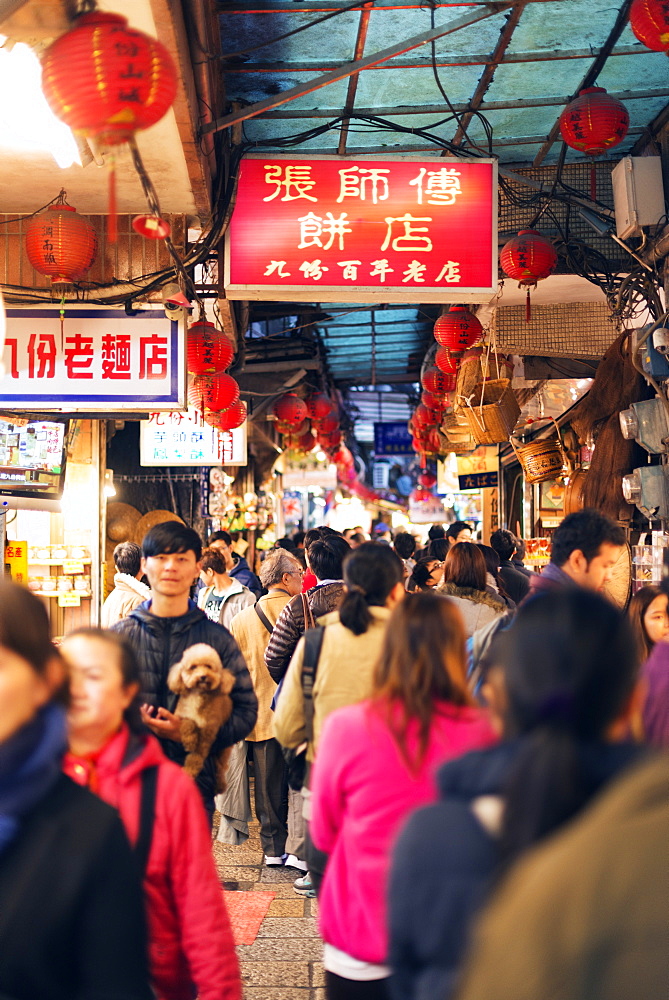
x=243 y=114
x=592 y=74
x=488 y=73
x=363 y=25
x=438 y=109
x=444 y=60
x=324 y=6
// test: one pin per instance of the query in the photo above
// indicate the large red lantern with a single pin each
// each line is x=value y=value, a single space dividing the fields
x=457 y=329
x=425 y=417
x=61 y=244
x=290 y=409
x=218 y=392
x=319 y=406
x=207 y=349
x=445 y=361
x=528 y=258
x=229 y=419
x=593 y=123
x=649 y=20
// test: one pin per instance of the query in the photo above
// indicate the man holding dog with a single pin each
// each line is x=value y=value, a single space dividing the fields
x=161 y=629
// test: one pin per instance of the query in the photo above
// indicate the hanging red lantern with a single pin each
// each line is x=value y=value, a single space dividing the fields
x=434 y=402
x=427 y=480
x=290 y=409
x=60 y=243
x=528 y=258
x=649 y=20
x=329 y=440
x=227 y=420
x=306 y=442
x=445 y=361
x=420 y=495
x=217 y=392
x=108 y=81
x=457 y=330
x=425 y=417
x=319 y=406
x=433 y=380
x=152 y=227
x=328 y=424
x=208 y=350
x=594 y=122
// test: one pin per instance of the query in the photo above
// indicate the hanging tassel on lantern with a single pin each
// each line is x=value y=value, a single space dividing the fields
x=528 y=307
x=112 y=228
x=62 y=324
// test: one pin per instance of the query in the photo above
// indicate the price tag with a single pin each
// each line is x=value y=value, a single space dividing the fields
x=69 y=599
x=71 y=567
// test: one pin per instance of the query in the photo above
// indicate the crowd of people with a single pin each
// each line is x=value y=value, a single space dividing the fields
x=457 y=756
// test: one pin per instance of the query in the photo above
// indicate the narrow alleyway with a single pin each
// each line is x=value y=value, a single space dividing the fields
x=285 y=960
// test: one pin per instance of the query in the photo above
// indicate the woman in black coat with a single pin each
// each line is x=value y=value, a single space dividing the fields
x=71 y=915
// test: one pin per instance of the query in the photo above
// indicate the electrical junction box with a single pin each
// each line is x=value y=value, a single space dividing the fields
x=646 y=423
x=648 y=489
x=638 y=194
x=654 y=360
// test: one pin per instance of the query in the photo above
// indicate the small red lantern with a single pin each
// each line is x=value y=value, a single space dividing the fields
x=528 y=258
x=152 y=227
x=319 y=406
x=434 y=402
x=228 y=419
x=445 y=361
x=425 y=417
x=649 y=20
x=328 y=425
x=433 y=380
x=207 y=349
x=427 y=480
x=61 y=244
x=593 y=123
x=457 y=330
x=218 y=392
x=290 y=409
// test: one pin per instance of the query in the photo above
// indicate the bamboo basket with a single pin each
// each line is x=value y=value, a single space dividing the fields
x=541 y=460
x=493 y=412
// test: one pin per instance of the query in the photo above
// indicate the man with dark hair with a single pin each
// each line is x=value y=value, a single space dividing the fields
x=459 y=531
x=436 y=531
x=325 y=556
x=167 y=624
x=586 y=547
x=516 y=584
x=240 y=569
x=128 y=591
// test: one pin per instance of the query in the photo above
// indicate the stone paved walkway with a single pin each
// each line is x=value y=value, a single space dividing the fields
x=285 y=961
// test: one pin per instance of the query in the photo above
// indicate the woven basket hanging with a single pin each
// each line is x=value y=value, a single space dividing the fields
x=493 y=413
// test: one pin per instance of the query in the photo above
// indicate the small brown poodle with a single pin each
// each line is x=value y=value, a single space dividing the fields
x=203 y=685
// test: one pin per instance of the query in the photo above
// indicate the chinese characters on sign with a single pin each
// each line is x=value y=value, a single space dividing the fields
x=427 y=225
x=479 y=470
x=184 y=439
x=102 y=357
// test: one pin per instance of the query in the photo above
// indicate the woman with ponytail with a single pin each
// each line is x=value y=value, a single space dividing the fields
x=563 y=682
x=376 y=762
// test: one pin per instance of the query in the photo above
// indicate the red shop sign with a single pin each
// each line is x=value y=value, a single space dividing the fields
x=360 y=230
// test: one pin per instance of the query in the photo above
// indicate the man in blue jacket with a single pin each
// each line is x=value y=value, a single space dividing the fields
x=159 y=631
x=237 y=566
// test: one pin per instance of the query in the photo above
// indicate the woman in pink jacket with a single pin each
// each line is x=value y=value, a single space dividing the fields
x=376 y=763
x=191 y=949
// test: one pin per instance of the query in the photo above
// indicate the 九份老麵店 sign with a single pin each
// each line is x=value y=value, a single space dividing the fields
x=363 y=229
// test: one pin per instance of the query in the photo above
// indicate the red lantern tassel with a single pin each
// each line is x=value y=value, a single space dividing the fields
x=112 y=228
x=528 y=307
x=593 y=182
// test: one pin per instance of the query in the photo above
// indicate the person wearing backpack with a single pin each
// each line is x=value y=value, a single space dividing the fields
x=341 y=663
x=191 y=948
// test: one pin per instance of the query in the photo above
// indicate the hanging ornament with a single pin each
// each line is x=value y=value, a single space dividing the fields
x=593 y=123
x=649 y=20
x=434 y=402
x=528 y=258
x=290 y=409
x=227 y=420
x=306 y=442
x=108 y=81
x=434 y=380
x=209 y=392
x=457 y=330
x=152 y=227
x=425 y=417
x=60 y=243
x=427 y=480
x=319 y=406
x=445 y=361
x=208 y=350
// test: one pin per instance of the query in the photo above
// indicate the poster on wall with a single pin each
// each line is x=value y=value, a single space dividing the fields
x=363 y=230
x=184 y=439
x=98 y=359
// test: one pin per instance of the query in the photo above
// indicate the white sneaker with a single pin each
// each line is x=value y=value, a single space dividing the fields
x=293 y=862
x=274 y=862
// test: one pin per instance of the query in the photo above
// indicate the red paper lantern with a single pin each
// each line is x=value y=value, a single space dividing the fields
x=420 y=495
x=106 y=80
x=425 y=417
x=457 y=329
x=649 y=20
x=328 y=424
x=528 y=258
x=207 y=349
x=445 y=361
x=427 y=479
x=306 y=442
x=229 y=419
x=61 y=244
x=152 y=227
x=319 y=406
x=217 y=392
x=329 y=440
x=290 y=409
x=433 y=380
x=594 y=122
x=434 y=402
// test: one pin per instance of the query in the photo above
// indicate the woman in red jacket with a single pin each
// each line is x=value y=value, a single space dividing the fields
x=191 y=948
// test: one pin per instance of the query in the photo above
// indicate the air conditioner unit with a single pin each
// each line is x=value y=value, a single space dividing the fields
x=638 y=194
